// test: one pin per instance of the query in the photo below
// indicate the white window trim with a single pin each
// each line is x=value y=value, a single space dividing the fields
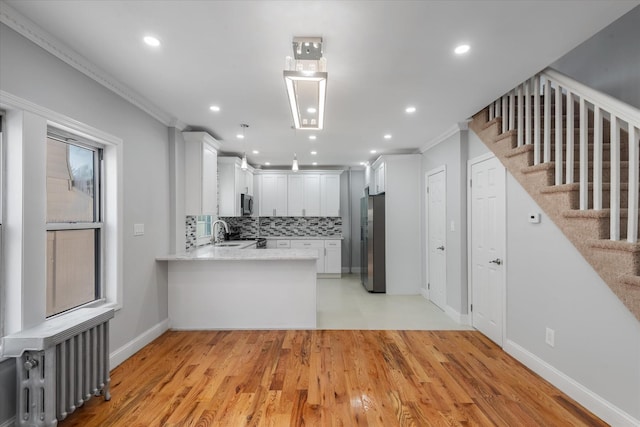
x=113 y=193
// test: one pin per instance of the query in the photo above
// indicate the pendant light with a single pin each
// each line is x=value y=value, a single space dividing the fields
x=243 y=164
x=294 y=165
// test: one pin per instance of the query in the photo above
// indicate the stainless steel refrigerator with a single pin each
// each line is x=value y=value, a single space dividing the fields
x=372 y=243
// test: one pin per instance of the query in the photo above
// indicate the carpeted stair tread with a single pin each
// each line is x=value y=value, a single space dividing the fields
x=593 y=213
x=539 y=167
x=616 y=245
x=631 y=280
x=496 y=121
x=519 y=150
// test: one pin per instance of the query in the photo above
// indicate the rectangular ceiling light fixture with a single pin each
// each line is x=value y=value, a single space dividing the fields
x=306 y=82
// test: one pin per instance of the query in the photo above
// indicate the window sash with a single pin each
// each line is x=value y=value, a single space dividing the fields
x=98 y=211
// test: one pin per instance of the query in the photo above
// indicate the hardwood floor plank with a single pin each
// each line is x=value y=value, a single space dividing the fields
x=328 y=378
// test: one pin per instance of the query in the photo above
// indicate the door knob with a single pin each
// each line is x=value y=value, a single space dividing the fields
x=440 y=248
x=497 y=261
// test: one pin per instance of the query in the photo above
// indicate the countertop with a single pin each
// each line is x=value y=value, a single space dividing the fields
x=213 y=253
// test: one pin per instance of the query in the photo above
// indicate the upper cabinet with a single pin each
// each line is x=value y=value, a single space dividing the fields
x=201 y=169
x=303 y=196
x=232 y=182
x=273 y=194
x=330 y=195
x=302 y=193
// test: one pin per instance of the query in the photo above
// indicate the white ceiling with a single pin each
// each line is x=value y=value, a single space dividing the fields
x=381 y=57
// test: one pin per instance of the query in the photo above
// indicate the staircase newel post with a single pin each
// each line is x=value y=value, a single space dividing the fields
x=632 y=217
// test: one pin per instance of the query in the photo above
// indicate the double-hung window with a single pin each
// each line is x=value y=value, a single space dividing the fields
x=74 y=222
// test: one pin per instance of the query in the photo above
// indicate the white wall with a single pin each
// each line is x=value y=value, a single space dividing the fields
x=610 y=60
x=34 y=75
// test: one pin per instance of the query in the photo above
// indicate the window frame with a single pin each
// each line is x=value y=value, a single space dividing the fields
x=97 y=224
x=204 y=239
x=25 y=119
x=2 y=193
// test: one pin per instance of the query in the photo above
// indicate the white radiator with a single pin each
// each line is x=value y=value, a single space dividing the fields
x=60 y=364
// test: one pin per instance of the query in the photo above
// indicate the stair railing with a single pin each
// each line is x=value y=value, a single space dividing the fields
x=553 y=95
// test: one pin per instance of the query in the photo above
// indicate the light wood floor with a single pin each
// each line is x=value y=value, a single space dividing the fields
x=328 y=378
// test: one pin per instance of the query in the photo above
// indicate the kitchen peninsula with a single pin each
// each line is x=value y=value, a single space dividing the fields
x=228 y=288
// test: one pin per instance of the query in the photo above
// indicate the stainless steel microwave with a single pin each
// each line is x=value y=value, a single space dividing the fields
x=246 y=205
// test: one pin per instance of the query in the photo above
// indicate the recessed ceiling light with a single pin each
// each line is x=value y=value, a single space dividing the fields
x=387 y=136
x=363 y=163
x=267 y=163
x=312 y=137
x=255 y=152
x=410 y=109
x=313 y=153
x=315 y=163
x=214 y=108
x=311 y=110
x=240 y=136
x=462 y=49
x=152 y=41
x=373 y=151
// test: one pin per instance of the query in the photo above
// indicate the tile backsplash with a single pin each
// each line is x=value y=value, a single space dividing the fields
x=274 y=226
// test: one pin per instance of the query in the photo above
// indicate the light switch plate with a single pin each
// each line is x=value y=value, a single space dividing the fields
x=138 y=229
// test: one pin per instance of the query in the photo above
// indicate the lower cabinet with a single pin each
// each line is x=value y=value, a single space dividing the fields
x=329 y=253
x=333 y=256
x=312 y=244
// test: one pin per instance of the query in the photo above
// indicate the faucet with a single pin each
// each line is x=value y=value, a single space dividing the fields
x=214 y=237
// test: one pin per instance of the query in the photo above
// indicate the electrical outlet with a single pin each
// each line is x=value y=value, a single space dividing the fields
x=550 y=337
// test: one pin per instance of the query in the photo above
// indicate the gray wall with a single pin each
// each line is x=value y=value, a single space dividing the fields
x=451 y=153
x=30 y=73
x=549 y=284
x=610 y=60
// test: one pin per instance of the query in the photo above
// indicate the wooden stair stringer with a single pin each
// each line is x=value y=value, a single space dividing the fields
x=624 y=284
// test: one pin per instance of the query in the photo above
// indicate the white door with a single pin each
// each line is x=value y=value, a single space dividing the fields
x=487 y=213
x=436 y=236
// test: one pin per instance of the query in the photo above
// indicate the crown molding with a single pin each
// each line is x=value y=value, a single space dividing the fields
x=27 y=28
x=458 y=127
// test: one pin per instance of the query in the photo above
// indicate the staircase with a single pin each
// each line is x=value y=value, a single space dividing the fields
x=576 y=152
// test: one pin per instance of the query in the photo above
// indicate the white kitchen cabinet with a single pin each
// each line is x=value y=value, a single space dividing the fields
x=318 y=245
x=330 y=195
x=333 y=256
x=201 y=167
x=303 y=196
x=233 y=182
x=273 y=195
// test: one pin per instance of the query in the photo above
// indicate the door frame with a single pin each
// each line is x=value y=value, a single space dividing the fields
x=470 y=163
x=427 y=291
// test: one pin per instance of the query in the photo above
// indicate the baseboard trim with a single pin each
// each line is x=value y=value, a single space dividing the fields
x=132 y=347
x=11 y=422
x=462 y=319
x=581 y=394
x=424 y=293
